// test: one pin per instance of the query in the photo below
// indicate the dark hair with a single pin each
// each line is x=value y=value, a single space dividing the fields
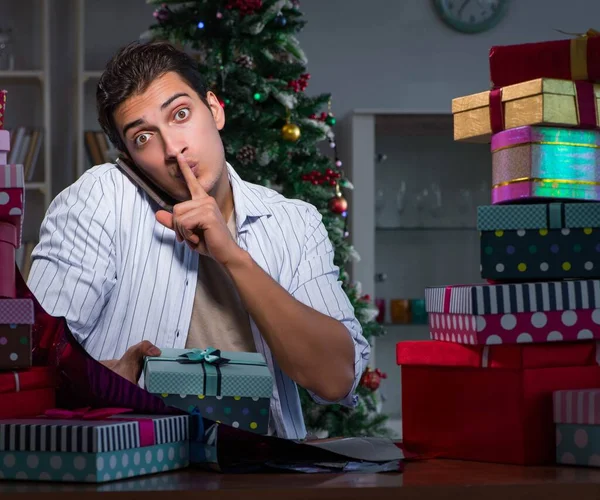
x=132 y=70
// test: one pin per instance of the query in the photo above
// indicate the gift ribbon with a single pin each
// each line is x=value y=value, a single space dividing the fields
x=586 y=104
x=17 y=382
x=580 y=70
x=496 y=111
x=209 y=355
x=145 y=425
x=546 y=181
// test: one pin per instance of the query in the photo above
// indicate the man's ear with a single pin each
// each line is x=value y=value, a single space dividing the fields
x=216 y=109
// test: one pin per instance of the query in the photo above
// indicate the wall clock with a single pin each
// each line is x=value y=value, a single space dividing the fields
x=471 y=16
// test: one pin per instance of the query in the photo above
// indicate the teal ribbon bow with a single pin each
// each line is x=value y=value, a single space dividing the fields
x=209 y=355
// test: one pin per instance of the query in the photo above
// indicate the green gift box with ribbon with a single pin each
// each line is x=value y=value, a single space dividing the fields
x=233 y=388
x=545 y=241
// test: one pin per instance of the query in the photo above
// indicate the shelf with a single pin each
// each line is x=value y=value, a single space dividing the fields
x=92 y=75
x=22 y=74
x=36 y=186
x=404 y=325
x=426 y=228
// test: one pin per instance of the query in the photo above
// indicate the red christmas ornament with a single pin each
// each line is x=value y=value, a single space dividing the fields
x=222 y=103
x=246 y=7
x=371 y=379
x=338 y=204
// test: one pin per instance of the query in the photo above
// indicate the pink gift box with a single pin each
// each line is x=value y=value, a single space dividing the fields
x=577 y=406
x=517 y=328
x=515 y=313
x=12 y=197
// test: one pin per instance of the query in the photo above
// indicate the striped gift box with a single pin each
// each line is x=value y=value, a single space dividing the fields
x=577 y=406
x=513 y=298
x=98 y=436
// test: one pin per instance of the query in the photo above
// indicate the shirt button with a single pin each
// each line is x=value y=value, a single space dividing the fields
x=177 y=333
x=186 y=282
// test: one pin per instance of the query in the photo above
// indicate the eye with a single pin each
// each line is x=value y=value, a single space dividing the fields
x=142 y=139
x=182 y=114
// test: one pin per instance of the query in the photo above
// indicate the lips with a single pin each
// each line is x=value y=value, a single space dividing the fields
x=193 y=167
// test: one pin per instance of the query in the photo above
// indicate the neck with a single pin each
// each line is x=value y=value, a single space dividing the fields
x=223 y=194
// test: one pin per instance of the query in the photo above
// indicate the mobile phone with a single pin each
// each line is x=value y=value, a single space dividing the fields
x=136 y=175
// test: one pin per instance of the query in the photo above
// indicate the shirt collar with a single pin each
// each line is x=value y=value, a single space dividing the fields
x=246 y=201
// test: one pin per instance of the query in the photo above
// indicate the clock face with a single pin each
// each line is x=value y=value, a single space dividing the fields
x=471 y=16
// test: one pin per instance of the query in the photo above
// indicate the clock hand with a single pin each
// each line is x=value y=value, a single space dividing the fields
x=462 y=7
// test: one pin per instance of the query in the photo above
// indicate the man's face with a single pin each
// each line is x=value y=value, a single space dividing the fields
x=167 y=119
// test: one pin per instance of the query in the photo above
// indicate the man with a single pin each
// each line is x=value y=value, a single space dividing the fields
x=235 y=266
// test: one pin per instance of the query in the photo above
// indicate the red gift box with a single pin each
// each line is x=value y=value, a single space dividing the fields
x=575 y=59
x=489 y=403
x=27 y=393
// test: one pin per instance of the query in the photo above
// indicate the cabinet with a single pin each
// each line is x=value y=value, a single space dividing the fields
x=27 y=81
x=102 y=27
x=412 y=217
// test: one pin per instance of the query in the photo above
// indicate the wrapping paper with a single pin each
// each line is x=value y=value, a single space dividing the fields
x=543 y=162
x=544 y=101
x=16 y=318
x=577 y=407
x=455 y=408
x=540 y=254
x=482 y=299
x=8 y=243
x=27 y=393
x=2 y=107
x=517 y=328
x=4 y=145
x=578 y=445
x=93 y=467
x=12 y=197
x=247 y=413
x=124 y=431
x=575 y=59
x=556 y=215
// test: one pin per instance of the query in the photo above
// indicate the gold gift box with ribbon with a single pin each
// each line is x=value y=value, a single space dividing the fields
x=543 y=101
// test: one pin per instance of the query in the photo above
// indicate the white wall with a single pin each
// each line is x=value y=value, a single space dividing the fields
x=398 y=54
x=376 y=54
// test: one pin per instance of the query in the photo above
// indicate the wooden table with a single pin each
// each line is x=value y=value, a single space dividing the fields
x=434 y=479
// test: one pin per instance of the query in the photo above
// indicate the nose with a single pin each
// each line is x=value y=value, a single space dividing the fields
x=173 y=147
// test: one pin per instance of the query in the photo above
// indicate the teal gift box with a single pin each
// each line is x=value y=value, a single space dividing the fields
x=230 y=387
x=547 y=241
x=92 y=451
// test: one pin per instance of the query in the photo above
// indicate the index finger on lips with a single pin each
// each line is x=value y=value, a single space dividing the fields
x=193 y=185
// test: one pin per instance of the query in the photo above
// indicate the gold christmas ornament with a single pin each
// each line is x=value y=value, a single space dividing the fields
x=290 y=132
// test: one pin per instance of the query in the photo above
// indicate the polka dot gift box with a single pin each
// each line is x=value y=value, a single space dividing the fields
x=16 y=320
x=230 y=387
x=519 y=313
x=490 y=403
x=547 y=241
x=577 y=418
x=92 y=450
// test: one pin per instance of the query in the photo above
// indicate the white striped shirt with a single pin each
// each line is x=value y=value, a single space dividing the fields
x=119 y=277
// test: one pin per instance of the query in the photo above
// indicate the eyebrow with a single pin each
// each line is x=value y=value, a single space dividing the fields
x=140 y=121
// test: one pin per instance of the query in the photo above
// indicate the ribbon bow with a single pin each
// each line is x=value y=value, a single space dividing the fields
x=209 y=355
x=85 y=413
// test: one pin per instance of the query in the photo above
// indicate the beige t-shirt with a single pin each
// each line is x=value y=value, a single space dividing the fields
x=219 y=318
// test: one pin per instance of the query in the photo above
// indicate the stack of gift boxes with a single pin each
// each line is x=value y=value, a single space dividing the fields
x=24 y=390
x=482 y=388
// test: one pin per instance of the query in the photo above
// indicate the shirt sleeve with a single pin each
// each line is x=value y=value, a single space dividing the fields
x=73 y=265
x=316 y=284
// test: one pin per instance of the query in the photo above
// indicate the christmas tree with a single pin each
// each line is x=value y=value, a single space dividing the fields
x=250 y=57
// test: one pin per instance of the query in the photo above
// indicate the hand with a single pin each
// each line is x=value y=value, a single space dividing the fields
x=199 y=221
x=131 y=364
